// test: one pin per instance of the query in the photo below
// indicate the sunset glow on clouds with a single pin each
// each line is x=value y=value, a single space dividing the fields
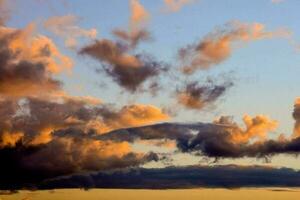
x=139 y=107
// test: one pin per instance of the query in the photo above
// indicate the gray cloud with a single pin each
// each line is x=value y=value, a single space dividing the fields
x=197 y=96
x=129 y=71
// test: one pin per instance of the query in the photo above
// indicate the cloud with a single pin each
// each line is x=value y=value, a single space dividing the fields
x=44 y=132
x=221 y=139
x=28 y=62
x=128 y=71
x=34 y=120
x=176 y=5
x=26 y=166
x=218 y=45
x=219 y=176
x=136 y=32
x=138 y=16
x=277 y=1
x=67 y=28
x=196 y=96
x=3 y=12
x=133 y=38
x=256 y=128
x=45 y=138
x=296 y=115
x=120 y=59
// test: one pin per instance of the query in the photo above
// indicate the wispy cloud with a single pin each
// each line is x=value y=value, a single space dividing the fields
x=176 y=5
x=218 y=45
x=67 y=28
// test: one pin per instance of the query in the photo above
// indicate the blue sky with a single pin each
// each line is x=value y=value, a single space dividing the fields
x=265 y=71
x=232 y=84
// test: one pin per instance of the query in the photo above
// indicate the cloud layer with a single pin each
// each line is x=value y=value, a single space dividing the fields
x=47 y=135
x=228 y=176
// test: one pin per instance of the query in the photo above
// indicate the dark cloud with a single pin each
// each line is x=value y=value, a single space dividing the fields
x=26 y=166
x=120 y=60
x=228 y=176
x=127 y=70
x=46 y=138
x=296 y=115
x=35 y=119
x=214 y=140
x=197 y=96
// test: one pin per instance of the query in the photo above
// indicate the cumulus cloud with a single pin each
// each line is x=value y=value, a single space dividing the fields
x=218 y=45
x=257 y=127
x=43 y=117
x=196 y=96
x=28 y=62
x=67 y=28
x=45 y=138
x=176 y=5
x=25 y=166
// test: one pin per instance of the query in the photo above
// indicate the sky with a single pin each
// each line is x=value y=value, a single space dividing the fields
x=95 y=86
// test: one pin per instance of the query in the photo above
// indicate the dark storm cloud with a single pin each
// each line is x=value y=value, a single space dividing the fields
x=228 y=176
x=196 y=96
x=127 y=70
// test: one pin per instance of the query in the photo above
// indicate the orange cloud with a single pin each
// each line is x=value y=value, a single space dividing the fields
x=10 y=139
x=28 y=62
x=139 y=15
x=128 y=116
x=218 y=45
x=27 y=46
x=257 y=127
x=176 y=5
